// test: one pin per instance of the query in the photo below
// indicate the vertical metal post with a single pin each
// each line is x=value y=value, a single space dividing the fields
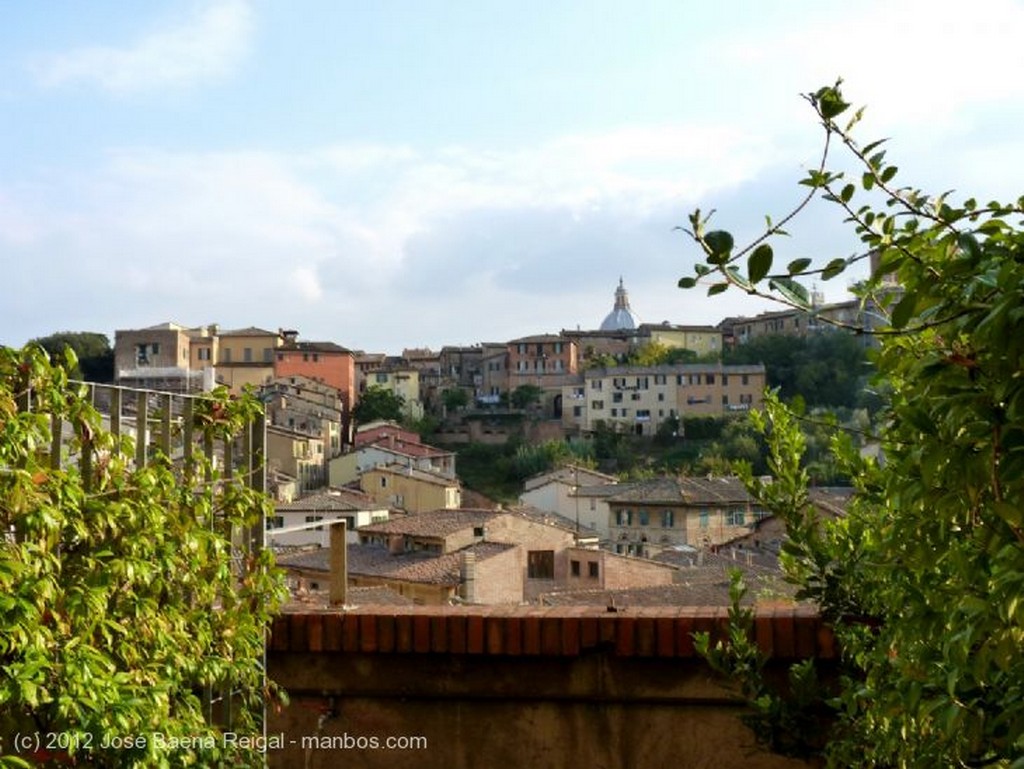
x=115 y=417
x=141 y=428
x=167 y=402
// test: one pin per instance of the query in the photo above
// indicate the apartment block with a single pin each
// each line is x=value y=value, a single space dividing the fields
x=640 y=399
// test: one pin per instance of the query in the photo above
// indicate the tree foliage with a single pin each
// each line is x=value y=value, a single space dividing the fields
x=525 y=395
x=826 y=369
x=377 y=402
x=118 y=604
x=924 y=577
x=93 y=351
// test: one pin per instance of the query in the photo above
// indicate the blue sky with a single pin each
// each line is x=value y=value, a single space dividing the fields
x=402 y=174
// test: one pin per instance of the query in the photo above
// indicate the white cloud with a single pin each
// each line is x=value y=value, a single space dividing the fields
x=919 y=63
x=209 y=46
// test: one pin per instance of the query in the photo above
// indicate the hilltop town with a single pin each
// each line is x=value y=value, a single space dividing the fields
x=415 y=534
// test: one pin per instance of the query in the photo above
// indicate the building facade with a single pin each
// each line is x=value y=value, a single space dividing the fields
x=641 y=399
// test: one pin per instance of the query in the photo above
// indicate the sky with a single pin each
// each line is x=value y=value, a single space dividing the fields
x=419 y=173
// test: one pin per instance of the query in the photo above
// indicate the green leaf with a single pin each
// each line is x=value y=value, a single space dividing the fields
x=719 y=242
x=831 y=103
x=867 y=180
x=798 y=265
x=833 y=268
x=888 y=173
x=791 y=290
x=717 y=288
x=847 y=193
x=687 y=282
x=970 y=245
x=904 y=311
x=759 y=263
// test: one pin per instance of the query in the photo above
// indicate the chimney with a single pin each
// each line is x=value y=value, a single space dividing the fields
x=396 y=544
x=467 y=576
x=339 y=563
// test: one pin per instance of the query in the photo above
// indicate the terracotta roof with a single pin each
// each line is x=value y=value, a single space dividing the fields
x=335 y=500
x=411 y=472
x=312 y=347
x=396 y=445
x=436 y=523
x=248 y=331
x=685 y=490
x=304 y=599
x=540 y=338
x=414 y=566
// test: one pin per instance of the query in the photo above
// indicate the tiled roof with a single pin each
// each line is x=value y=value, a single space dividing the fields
x=304 y=599
x=248 y=331
x=392 y=443
x=435 y=523
x=415 y=566
x=412 y=472
x=673 y=369
x=312 y=347
x=336 y=500
x=686 y=490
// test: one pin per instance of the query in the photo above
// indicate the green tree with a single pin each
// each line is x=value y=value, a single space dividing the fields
x=525 y=396
x=93 y=351
x=118 y=603
x=827 y=369
x=455 y=398
x=923 y=578
x=376 y=402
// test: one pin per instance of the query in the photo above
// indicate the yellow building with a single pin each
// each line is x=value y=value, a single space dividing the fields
x=412 y=490
x=703 y=340
x=403 y=382
x=639 y=399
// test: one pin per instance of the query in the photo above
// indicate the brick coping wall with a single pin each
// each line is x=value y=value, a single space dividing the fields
x=789 y=632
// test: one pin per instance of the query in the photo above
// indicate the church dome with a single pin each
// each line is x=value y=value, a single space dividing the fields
x=621 y=317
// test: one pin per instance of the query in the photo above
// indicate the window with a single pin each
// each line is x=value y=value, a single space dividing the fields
x=659 y=379
x=574 y=568
x=624 y=518
x=615 y=412
x=204 y=353
x=645 y=518
x=704 y=519
x=225 y=355
x=540 y=564
x=592 y=569
x=744 y=379
x=383 y=482
x=725 y=379
x=315 y=519
x=268 y=354
x=280 y=358
x=595 y=384
x=247 y=355
x=725 y=400
x=381 y=377
x=616 y=397
x=735 y=518
x=597 y=405
x=478 y=531
x=710 y=379
x=661 y=396
x=667 y=519
x=275 y=522
x=577 y=411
